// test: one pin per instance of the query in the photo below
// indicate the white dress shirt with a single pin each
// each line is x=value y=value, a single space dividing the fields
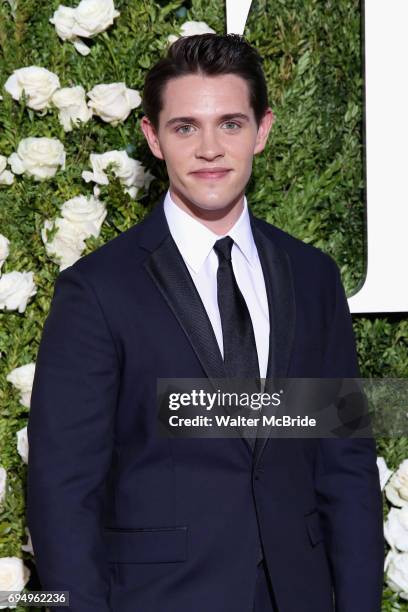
x=195 y=243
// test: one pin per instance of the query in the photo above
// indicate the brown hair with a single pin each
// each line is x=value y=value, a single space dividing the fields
x=211 y=55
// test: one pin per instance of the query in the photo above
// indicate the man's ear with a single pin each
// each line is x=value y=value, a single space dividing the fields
x=263 y=130
x=151 y=137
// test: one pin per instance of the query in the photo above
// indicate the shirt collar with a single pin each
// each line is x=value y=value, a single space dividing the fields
x=195 y=241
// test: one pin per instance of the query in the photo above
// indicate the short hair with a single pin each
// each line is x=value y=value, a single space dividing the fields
x=208 y=54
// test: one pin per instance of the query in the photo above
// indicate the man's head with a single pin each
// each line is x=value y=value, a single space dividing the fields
x=206 y=107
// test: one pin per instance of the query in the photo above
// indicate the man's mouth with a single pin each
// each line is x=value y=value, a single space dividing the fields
x=211 y=173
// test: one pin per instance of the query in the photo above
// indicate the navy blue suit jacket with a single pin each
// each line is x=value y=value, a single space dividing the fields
x=131 y=522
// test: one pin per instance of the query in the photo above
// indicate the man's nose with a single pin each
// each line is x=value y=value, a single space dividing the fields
x=209 y=145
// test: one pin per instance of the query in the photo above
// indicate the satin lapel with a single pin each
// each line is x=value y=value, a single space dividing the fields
x=169 y=272
x=282 y=312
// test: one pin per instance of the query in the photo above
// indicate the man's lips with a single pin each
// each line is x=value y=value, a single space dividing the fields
x=214 y=173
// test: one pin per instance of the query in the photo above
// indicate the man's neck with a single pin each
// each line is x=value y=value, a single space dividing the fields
x=219 y=221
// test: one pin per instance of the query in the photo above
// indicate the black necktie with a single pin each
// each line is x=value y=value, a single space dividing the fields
x=240 y=355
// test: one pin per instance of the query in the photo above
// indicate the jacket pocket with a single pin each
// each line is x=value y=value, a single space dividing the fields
x=314 y=527
x=146 y=545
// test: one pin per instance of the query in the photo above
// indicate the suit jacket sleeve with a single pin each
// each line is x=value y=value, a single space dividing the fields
x=70 y=434
x=348 y=488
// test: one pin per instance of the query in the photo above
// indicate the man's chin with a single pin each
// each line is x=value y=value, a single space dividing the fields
x=210 y=210
x=209 y=205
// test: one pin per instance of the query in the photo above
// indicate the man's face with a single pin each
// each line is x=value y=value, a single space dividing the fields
x=207 y=137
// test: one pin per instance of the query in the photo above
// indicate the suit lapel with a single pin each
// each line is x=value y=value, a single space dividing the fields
x=282 y=312
x=169 y=272
x=166 y=267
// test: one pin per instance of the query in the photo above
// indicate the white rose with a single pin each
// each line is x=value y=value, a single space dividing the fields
x=22 y=378
x=89 y=18
x=72 y=106
x=397 y=488
x=147 y=179
x=113 y=102
x=189 y=28
x=38 y=157
x=384 y=472
x=68 y=243
x=3 y=483
x=4 y=249
x=15 y=290
x=38 y=84
x=396 y=567
x=130 y=172
x=64 y=21
x=14 y=575
x=22 y=444
x=6 y=177
x=93 y=17
x=396 y=528
x=87 y=213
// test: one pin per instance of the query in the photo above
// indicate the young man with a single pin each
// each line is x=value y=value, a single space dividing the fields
x=128 y=521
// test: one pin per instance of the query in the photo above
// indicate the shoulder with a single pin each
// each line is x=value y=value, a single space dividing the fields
x=114 y=258
x=305 y=259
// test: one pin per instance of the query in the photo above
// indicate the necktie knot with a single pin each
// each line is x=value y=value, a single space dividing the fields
x=223 y=248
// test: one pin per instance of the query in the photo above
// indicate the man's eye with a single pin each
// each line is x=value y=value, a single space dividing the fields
x=178 y=130
x=232 y=123
x=184 y=129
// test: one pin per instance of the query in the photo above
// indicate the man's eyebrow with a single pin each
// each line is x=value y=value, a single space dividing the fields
x=224 y=117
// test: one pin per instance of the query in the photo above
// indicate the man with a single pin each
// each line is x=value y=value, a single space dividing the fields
x=128 y=521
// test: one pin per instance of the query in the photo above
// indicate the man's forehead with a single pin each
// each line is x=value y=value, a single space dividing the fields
x=198 y=95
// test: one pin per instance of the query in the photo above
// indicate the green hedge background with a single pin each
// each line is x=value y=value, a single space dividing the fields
x=309 y=181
